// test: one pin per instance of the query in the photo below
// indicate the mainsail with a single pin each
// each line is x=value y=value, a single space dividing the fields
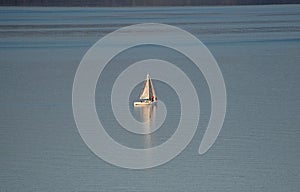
x=148 y=90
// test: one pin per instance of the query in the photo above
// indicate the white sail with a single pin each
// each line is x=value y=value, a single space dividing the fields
x=145 y=94
x=151 y=90
x=148 y=89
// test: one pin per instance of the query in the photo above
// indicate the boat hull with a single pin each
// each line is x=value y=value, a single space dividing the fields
x=139 y=103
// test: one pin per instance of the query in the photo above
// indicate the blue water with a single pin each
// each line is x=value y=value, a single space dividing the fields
x=256 y=47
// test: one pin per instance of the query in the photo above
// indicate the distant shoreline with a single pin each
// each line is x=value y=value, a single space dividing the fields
x=140 y=3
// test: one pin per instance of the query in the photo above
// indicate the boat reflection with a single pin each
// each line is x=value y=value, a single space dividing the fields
x=147 y=115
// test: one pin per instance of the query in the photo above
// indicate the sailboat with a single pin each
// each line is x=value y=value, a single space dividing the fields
x=147 y=96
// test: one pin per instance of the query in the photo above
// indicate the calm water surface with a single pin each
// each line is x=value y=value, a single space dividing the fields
x=257 y=48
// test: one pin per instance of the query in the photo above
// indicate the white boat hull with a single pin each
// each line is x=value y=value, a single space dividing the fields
x=144 y=103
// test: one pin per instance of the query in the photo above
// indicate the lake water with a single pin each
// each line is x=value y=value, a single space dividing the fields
x=256 y=47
